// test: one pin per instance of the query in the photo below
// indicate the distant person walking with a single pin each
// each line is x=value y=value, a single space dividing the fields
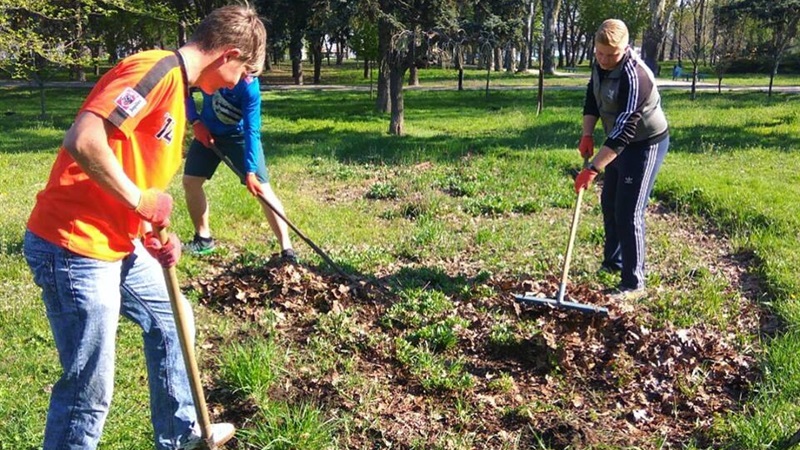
x=230 y=120
x=677 y=71
x=622 y=94
x=89 y=239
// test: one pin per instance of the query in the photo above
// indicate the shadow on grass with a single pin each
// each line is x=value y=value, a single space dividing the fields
x=350 y=130
x=24 y=129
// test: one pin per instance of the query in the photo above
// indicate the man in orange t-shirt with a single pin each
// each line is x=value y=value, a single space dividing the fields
x=90 y=243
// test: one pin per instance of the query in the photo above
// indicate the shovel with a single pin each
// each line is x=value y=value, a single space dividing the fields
x=180 y=312
x=559 y=301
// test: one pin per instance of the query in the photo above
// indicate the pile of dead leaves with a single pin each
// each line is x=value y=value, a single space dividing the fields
x=578 y=380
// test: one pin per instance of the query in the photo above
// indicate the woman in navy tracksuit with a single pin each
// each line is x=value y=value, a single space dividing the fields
x=623 y=95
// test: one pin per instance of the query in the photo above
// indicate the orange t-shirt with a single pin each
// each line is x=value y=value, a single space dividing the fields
x=144 y=97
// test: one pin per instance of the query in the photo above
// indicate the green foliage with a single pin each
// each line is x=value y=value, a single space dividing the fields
x=503 y=335
x=504 y=383
x=417 y=308
x=251 y=367
x=439 y=336
x=283 y=426
x=434 y=373
x=382 y=191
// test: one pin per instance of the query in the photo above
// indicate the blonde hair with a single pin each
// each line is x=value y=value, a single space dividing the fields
x=234 y=26
x=612 y=32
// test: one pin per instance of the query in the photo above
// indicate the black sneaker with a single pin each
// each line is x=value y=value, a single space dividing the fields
x=288 y=255
x=200 y=246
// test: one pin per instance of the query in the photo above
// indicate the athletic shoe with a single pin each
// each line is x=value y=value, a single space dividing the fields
x=627 y=294
x=220 y=434
x=608 y=268
x=200 y=246
x=288 y=255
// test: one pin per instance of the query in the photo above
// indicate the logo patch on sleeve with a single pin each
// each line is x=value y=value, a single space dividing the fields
x=130 y=101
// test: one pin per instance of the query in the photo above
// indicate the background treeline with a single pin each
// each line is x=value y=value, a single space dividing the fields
x=398 y=38
x=747 y=35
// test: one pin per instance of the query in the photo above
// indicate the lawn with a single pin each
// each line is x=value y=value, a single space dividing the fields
x=472 y=205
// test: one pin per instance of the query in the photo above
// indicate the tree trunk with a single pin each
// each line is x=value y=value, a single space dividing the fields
x=383 y=101
x=527 y=46
x=498 y=58
x=540 y=93
x=561 y=42
x=317 y=62
x=328 y=46
x=181 y=33
x=654 y=34
x=459 y=63
x=366 y=68
x=339 y=53
x=296 y=51
x=80 y=49
x=413 y=76
x=396 y=123
x=550 y=12
x=772 y=74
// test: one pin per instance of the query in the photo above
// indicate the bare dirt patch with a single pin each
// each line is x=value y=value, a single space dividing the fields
x=576 y=380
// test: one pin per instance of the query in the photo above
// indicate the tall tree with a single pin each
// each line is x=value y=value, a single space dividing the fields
x=364 y=41
x=549 y=16
x=632 y=12
x=780 y=18
x=728 y=29
x=696 y=47
x=36 y=36
x=653 y=38
x=414 y=27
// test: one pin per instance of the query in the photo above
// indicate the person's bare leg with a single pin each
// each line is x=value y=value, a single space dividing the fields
x=278 y=226
x=197 y=204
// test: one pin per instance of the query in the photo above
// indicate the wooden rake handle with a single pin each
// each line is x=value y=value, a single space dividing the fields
x=181 y=312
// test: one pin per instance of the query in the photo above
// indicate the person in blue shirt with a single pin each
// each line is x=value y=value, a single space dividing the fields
x=230 y=119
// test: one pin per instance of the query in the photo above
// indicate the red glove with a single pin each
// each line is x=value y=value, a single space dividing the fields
x=166 y=254
x=584 y=179
x=202 y=134
x=586 y=147
x=253 y=185
x=155 y=207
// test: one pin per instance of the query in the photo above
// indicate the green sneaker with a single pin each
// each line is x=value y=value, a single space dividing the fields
x=200 y=246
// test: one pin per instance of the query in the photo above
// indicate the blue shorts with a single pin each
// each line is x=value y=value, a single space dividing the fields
x=202 y=161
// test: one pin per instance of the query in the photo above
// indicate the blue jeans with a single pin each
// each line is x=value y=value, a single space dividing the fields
x=84 y=298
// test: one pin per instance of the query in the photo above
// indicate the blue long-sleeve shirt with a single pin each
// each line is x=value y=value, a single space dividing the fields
x=236 y=111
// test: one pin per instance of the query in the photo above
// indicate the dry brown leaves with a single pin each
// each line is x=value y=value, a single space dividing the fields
x=579 y=379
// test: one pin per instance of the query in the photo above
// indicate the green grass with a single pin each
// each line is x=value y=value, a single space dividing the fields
x=477 y=178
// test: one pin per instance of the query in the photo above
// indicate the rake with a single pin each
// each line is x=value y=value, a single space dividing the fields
x=559 y=301
x=267 y=203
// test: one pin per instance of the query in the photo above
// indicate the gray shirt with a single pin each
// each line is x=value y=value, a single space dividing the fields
x=627 y=101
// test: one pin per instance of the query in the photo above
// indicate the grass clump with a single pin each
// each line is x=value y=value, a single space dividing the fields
x=284 y=426
x=252 y=367
x=440 y=336
x=434 y=373
x=382 y=191
x=416 y=308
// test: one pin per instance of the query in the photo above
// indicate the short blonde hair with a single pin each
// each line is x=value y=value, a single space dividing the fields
x=234 y=26
x=612 y=32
